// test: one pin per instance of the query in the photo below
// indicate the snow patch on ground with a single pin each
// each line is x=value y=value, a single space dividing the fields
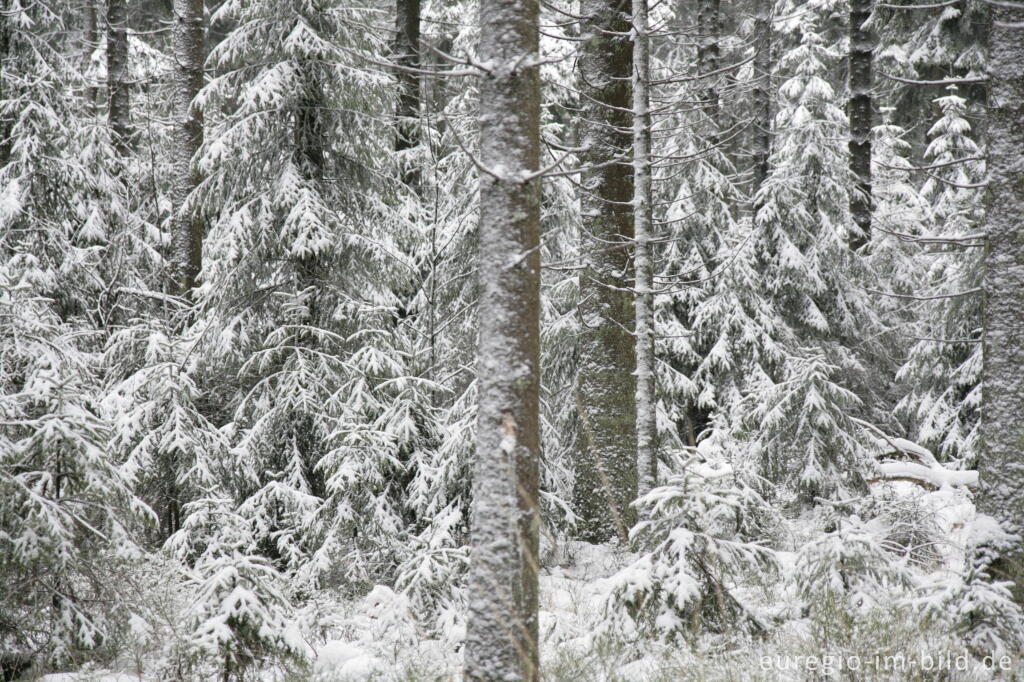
x=346 y=660
x=90 y=676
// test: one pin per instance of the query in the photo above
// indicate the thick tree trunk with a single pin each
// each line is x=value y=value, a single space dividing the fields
x=501 y=637
x=646 y=431
x=762 y=126
x=1002 y=426
x=859 y=111
x=606 y=455
x=190 y=55
x=118 y=111
x=407 y=54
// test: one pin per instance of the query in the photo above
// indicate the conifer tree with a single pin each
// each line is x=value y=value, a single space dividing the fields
x=190 y=54
x=859 y=107
x=407 y=57
x=709 y=28
x=928 y=46
x=68 y=516
x=606 y=478
x=1003 y=353
x=761 y=122
x=297 y=283
x=502 y=628
x=943 y=368
x=646 y=429
x=118 y=86
x=803 y=226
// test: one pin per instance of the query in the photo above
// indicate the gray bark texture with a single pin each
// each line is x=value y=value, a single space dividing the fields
x=90 y=38
x=6 y=122
x=859 y=111
x=646 y=431
x=501 y=636
x=606 y=467
x=762 y=127
x=709 y=29
x=407 y=55
x=118 y=108
x=189 y=57
x=1002 y=426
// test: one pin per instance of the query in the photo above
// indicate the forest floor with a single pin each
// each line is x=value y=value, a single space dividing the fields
x=377 y=639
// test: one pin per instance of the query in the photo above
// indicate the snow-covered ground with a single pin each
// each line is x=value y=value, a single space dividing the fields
x=921 y=519
x=377 y=638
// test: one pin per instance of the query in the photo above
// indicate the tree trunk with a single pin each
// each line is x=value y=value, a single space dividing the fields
x=501 y=638
x=117 y=75
x=859 y=111
x=1002 y=425
x=762 y=128
x=709 y=29
x=646 y=431
x=6 y=122
x=407 y=54
x=190 y=55
x=311 y=161
x=90 y=38
x=606 y=454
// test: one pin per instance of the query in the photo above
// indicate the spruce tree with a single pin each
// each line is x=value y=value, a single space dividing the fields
x=1003 y=382
x=502 y=628
x=943 y=368
x=606 y=474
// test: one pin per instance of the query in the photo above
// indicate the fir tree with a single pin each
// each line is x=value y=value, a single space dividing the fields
x=943 y=368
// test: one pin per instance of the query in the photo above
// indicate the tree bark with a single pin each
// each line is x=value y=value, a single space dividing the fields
x=762 y=129
x=709 y=29
x=859 y=112
x=6 y=121
x=90 y=38
x=118 y=108
x=407 y=55
x=501 y=638
x=606 y=474
x=311 y=160
x=1002 y=424
x=190 y=55
x=646 y=430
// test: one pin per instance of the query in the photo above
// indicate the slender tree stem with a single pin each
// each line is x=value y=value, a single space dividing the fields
x=646 y=433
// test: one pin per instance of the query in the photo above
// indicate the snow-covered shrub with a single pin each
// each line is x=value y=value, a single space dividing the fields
x=842 y=592
x=973 y=607
x=694 y=567
x=240 y=616
x=166 y=446
x=911 y=528
x=431 y=573
x=152 y=639
x=969 y=602
x=67 y=514
x=435 y=557
x=849 y=559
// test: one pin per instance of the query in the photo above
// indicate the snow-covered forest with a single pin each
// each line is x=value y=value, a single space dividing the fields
x=511 y=340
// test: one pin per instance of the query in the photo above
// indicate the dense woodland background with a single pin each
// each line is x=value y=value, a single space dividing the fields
x=242 y=247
